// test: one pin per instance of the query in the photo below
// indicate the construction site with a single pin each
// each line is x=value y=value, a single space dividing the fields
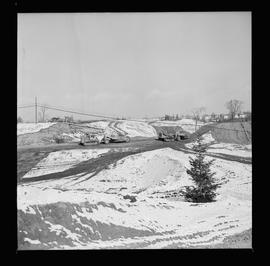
x=88 y=185
x=134 y=130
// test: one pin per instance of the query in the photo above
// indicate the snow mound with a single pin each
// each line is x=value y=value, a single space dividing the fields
x=25 y=128
x=137 y=129
x=149 y=171
x=206 y=139
x=60 y=161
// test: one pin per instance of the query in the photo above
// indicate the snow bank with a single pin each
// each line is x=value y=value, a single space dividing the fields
x=137 y=129
x=60 y=161
x=160 y=222
x=206 y=139
x=223 y=148
x=24 y=128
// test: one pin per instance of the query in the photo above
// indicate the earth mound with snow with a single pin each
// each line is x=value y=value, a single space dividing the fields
x=93 y=211
x=137 y=129
x=188 y=125
x=125 y=127
x=25 y=128
x=215 y=147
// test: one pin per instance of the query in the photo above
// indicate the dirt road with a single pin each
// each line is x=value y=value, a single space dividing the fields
x=28 y=157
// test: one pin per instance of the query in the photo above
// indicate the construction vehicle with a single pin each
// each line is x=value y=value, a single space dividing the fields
x=171 y=133
x=177 y=136
x=103 y=139
x=115 y=139
x=89 y=138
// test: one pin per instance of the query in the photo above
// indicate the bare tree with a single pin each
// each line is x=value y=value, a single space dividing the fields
x=234 y=107
x=197 y=112
x=42 y=113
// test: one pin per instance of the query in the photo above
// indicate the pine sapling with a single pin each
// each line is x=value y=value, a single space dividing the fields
x=202 y=176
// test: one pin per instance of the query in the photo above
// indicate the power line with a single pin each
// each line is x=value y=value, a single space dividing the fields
x=75 y=112
x=114 y=118
x=27 y=106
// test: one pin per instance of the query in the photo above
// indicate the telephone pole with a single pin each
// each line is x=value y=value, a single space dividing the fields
x=36 y=109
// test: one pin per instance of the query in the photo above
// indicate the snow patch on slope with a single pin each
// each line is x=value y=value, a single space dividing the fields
x=231 y=149
x=24 y=128
x=137 y=129
x=147 y=176
x=206 y=139
x=60 y=161
x=223 y=148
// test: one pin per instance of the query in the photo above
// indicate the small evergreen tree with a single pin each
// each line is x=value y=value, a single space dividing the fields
x=200 y=172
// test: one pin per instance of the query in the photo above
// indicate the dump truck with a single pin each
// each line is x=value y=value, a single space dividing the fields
x=103 y=139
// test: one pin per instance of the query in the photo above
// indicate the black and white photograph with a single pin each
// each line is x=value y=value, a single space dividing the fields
x=134 y=130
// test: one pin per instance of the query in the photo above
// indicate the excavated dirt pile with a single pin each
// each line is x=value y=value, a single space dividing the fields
x=48 y=135
x=230 y=132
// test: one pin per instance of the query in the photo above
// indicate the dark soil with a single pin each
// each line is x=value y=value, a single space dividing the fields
x=229 y=132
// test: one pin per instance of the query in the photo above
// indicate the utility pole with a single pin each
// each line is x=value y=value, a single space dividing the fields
x=36 y=109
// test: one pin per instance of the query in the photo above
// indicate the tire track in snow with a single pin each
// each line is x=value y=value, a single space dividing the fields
x=114 y=125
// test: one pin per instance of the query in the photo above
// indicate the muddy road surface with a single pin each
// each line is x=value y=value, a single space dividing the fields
x=28 y=157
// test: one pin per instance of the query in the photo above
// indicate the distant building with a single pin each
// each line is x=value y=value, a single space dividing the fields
x=206 y=118
x=68 y=119
x=171 y=117
x=56 y=119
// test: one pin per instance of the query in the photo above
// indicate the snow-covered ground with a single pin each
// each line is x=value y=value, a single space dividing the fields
x=74 y=136
x=187 y=124
x=24 y=128
x=114 y=127
x=99 y=124
x=161 y=221
x=106 y=126
x=130 y=128
x=144 y=129
x=231 y=149
x=137 y=129
x=206 y=138
x=60 y=161
x=223 y=148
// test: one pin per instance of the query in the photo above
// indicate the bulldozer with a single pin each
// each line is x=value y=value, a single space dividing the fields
x=103 y=139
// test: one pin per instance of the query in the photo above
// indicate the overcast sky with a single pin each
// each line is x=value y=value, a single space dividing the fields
x=134 y=64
